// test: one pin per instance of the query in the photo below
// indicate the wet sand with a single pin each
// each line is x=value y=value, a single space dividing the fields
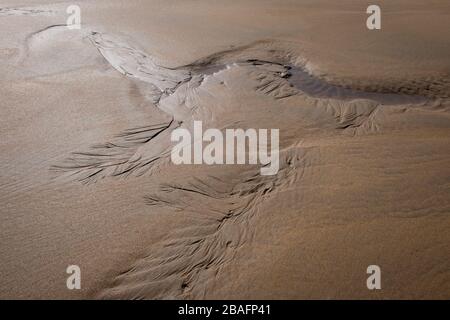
x=86 y=176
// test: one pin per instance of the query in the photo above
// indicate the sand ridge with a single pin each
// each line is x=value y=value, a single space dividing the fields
x=86 y=174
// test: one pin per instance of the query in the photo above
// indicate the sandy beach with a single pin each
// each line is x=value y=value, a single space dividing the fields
x=86 y=176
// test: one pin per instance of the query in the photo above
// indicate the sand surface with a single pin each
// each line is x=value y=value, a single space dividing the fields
x=85 y=171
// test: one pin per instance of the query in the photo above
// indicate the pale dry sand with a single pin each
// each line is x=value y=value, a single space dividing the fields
x=86 y=178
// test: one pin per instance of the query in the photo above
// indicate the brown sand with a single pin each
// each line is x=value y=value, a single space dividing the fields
x=86 y=177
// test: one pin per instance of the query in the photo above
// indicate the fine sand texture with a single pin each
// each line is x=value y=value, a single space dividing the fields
x=85 y=171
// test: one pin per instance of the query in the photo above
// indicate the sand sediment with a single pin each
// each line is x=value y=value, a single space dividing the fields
x=86 y=175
